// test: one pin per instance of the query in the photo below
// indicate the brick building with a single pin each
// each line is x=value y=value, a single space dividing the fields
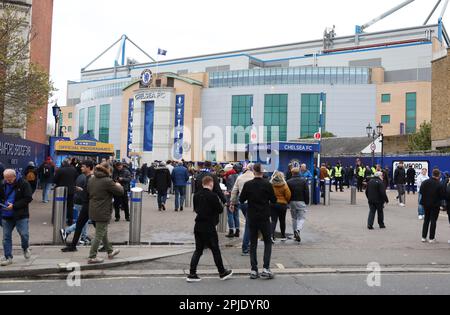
x=440 y=112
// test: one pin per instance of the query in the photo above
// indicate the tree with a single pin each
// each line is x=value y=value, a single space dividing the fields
x=421 y=140
x=24 y=87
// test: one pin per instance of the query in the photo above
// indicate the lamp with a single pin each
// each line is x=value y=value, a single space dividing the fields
x=56 y=113
x=369 y=131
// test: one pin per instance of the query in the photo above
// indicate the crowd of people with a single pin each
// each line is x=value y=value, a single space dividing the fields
x=97 y=191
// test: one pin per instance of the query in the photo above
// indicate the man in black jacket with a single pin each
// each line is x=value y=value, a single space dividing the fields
x=162 y=181
x=260 y=196
x=66 y=177
x=15 y=195
x=87 y=169
x=299 y=199
x=377 y=197
x=208 y=172
x=122 y=176
x=432 y=192
x=410 y=180
x=400 y=181
x=208 y=207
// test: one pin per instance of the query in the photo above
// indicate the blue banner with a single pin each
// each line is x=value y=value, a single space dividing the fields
x=16 y=153
x=148 y=127
x=130 y=126
x=179 y=127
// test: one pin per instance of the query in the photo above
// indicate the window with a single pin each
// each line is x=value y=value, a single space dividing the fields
x=91 y=121
x=70 y=115
x=411 y=112
x=309 y=123
x=81 y=117
x=69 y=129
x=386 y=119
x=385 y=98
x=275 y=117
x=170 y=82
x=104 y=123
x=241 y=118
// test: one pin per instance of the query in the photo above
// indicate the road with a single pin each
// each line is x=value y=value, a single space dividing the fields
x=408 y=284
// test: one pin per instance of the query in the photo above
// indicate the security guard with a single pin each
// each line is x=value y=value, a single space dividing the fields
x=361 y=173
x=338 y=177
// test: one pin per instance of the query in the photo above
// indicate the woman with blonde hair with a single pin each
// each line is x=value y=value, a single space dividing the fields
x=279 y=210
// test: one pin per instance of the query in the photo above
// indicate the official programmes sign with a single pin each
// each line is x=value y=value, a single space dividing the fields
x=84 y=147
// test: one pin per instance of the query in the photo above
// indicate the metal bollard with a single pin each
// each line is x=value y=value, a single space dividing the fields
x=353 y=196
x=327 y=192
x=136 y=216
x=189 y=196
x=223 y=221
x=311 y=191
x=59 y=213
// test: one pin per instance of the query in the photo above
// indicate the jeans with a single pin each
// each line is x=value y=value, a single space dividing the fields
x=205 y=240
x=71 y=229
x=279 y=211
x=22 y=227
x=421 y=209
x=298 y=212
x=101 y=235
x=431 y=218
x=264 y=227
x=162 y=198
x=233 y=217
x=180 y=196
x=246 y=240
x=46 y=187
x=401 y=193
x=374 y=208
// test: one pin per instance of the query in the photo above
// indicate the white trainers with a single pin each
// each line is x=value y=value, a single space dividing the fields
x=113 y=254
x=27 y=254
x=6 y=262
x=424 y=240
x=421 y=217
x=402 y=205
x=432 y=241
x=94 y=261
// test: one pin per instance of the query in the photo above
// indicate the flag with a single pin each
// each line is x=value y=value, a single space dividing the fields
x=162 y=52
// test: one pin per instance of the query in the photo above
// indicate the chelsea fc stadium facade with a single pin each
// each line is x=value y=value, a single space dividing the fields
x=173 y=109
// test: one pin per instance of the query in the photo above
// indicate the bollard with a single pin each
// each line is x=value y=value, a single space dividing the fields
x=136 y=216
x=189 y=191
x=327 y=192
x=353 y=196
x=59 y=213
x=223 y=221
x=311 y=191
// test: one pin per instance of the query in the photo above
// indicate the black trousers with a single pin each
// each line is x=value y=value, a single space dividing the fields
x=263 y=227
x=374 y=208
x=151 y=189
x=278 y=212
x=205 y=240
x=359 y=185
x=340 y=181
x=430 y=223
x=122 y=202
x=70 y=205
x=83 y=218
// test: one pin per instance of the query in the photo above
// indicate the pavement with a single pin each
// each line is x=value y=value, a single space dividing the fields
x=335 y=241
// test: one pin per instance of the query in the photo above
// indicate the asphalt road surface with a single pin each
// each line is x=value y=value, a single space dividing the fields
x=390 y=284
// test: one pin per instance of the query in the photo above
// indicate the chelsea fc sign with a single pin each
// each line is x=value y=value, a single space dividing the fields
x=146 y=78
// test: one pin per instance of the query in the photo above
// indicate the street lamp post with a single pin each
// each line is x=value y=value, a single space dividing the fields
x=56 y=113
x=375 y=134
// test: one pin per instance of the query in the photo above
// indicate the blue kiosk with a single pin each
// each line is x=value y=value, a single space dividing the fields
x=278 y=155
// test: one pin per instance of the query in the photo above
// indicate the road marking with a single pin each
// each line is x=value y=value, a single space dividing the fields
x=280 y=266
x=14 y=292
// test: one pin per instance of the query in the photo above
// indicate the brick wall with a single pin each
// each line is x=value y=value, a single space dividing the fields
x=440 y=105
x=42 y=16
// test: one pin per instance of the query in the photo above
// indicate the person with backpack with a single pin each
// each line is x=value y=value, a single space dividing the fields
x=31 y=176
x=46 y=177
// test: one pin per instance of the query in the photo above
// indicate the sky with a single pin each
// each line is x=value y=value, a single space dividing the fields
x=82 y=29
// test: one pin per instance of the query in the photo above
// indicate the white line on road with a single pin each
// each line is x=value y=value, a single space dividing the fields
x=15 y=292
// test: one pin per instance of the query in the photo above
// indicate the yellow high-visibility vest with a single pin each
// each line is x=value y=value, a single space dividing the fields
x=338 y=171
x=361 y=172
